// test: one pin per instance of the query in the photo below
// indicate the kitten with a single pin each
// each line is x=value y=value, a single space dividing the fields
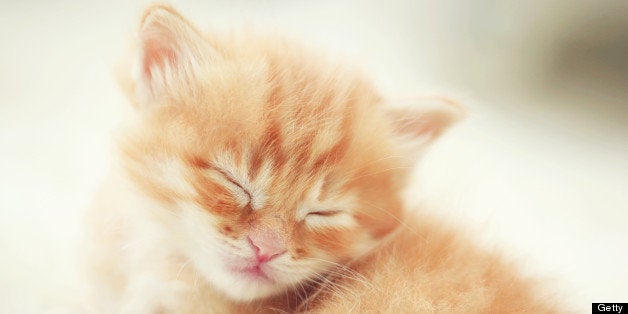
x=256 y=177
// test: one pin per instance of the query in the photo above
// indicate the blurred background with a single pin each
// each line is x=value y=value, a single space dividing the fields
x=540 y=168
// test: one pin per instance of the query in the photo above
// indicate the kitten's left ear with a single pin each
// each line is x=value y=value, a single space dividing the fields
x=421 y=120
x=170 y=53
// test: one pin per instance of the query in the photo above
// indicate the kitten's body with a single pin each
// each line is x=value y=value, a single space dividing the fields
x=258 y=178
x=428 y=266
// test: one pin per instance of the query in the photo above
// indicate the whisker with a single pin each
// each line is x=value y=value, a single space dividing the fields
x=185 y=264
x=379 y=172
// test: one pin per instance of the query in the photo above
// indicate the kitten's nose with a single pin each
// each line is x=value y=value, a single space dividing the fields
x=267 y=244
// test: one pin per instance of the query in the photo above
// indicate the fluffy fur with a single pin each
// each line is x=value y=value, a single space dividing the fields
x=257 y=177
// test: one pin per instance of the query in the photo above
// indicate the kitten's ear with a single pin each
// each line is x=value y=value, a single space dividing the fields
x=171 y=51
x=421 y=120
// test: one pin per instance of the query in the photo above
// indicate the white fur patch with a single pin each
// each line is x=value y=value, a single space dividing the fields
x=171 y=173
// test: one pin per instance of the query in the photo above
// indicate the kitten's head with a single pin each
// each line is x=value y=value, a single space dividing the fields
x=272 y=166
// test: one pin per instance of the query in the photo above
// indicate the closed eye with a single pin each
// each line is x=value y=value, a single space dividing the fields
x=241 y=194
x=325 y=213
x=329 y=218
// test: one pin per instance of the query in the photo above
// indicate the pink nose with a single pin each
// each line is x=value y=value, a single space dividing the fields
x=266 y=243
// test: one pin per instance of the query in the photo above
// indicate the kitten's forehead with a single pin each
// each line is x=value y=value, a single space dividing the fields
x=298 y=106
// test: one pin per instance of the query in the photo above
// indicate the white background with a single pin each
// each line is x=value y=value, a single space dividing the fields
x=539 y=170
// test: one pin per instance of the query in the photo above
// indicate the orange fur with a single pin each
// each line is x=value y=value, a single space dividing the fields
x=426 y=267
x=244 y=137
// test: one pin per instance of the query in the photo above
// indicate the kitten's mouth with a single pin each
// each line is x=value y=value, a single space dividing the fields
x=254 y=272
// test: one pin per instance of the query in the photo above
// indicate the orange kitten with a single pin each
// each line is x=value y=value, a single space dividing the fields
x=256 y=177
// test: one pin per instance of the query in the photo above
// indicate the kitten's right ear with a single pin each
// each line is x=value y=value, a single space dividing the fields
x=171 y=53
x=419 y=121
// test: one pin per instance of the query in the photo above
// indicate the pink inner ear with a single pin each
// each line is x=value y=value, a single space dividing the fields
x=430 y=124
x=429 y=120
x=156 y=53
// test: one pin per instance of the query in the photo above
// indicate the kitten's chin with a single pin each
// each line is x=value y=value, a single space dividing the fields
x=251 y=292
x=243 y=284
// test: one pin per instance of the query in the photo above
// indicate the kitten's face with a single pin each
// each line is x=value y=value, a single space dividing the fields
x=260 y=213
x=276 y=169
